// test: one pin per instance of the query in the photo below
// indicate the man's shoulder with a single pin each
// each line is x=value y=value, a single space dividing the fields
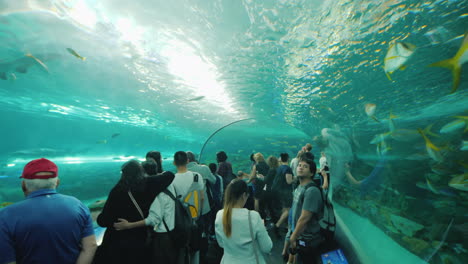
x=69 y=198
x=312 y=193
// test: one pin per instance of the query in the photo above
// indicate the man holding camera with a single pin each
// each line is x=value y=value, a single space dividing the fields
x=307 y=209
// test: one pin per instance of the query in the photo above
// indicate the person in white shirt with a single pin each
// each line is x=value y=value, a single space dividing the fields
x=182 y=182
x=239 y=231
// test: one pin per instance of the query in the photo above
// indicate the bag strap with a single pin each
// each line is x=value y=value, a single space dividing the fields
x=136 y=205
x=253 y=240
x=168 y=193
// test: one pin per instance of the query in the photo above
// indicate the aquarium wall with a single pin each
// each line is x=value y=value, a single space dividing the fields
x=91 y=84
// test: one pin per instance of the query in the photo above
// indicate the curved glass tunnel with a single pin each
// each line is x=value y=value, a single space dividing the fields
x=91 y=84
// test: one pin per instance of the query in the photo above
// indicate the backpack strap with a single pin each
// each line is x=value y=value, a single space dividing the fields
x=168 y=193
x=309 y=185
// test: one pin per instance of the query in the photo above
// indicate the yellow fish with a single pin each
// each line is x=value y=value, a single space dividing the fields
x=391 y=125
x=397 y=55
x=370 y=111
x=431 y=149
x=74 y=53
x=454 y=126
x=460 y=182
x=38 y=61
x=454 y=64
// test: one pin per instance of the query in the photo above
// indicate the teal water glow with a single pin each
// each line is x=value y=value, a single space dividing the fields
x=164 y=75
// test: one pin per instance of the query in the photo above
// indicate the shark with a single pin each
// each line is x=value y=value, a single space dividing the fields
x=24 y=63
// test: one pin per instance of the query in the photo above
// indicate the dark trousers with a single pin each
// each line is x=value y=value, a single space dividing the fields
x=163 y=250
x=310 y=255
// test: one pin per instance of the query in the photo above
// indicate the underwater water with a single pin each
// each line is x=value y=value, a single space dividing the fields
x=166 y=75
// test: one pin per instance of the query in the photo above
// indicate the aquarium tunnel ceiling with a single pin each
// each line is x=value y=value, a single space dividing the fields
x=182 y=69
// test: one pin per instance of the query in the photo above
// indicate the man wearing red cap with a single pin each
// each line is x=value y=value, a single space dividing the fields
x=47 y=227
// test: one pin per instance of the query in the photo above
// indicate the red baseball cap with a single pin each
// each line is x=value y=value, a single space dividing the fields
x=39 y=165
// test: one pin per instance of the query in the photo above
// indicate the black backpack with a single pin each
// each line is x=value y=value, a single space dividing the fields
x=187 y=232
x=328 y=221
x=182 y=222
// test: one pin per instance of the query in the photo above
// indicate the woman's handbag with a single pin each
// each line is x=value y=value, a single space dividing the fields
x=149 y=232
x=254 y=242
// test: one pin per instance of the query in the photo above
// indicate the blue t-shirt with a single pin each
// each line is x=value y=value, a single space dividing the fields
x=46 y=227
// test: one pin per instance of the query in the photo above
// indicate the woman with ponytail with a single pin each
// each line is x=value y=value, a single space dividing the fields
x=233 y=229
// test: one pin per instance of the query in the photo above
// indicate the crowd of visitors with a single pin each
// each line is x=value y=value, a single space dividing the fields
x=157 y=216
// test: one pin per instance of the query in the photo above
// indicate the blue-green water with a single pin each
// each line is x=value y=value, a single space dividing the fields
x=164 y=75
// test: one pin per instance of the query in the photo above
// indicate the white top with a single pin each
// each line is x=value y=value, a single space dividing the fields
x=323 y=162
x=294 y=163
x=163 y=207
x=182 y=183
x=238 y=249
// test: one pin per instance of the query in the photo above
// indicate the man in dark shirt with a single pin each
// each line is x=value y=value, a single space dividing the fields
x=282 y=189
x=307 y=209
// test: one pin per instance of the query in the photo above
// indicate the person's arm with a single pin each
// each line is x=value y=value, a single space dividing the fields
x=264 y=241
x=155 y=213
x=123 y=224
x=256 y=205
x=88 y=248
x=325 y=179
x=7 y=248
x=253 y=172
x=300 y=226
x=289 y=178
x=160 y=182
x=350 y=177
x=311 y=205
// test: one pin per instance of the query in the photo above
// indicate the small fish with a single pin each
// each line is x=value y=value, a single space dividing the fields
x=440 y=169
x=453 y=126
x=38 y=61
x=198 y=98
x=74 y=53
x=5 y=204
x=370 y=111
x=454 y=64
x=431 y=187
x=101 y=142
x=382 y=148
x=115 y=135
x=391 y=124
x=397 y=55
x=380 y=137
x=404 y=135
x=432 y=150
x=464 y=146
x=4 y=176
x=460 y=182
